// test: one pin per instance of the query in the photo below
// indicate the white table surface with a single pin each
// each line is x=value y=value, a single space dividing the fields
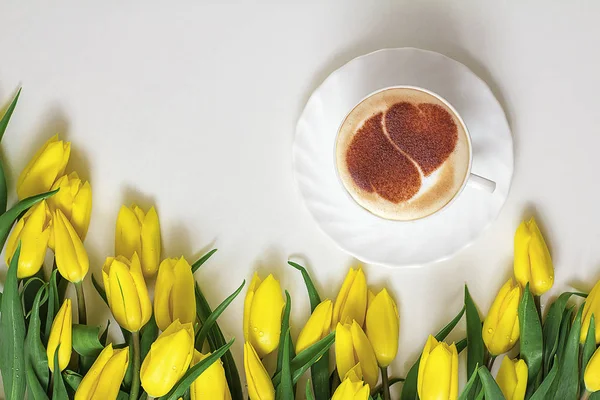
x=192 y=107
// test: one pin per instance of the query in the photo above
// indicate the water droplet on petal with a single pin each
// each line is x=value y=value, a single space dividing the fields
x=261 y=334
x=490 y=330
x=255 y=329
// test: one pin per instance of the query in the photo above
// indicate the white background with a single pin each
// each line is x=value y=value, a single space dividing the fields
x=192 y=106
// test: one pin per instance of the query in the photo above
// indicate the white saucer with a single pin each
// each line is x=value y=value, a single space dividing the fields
x=391 y=243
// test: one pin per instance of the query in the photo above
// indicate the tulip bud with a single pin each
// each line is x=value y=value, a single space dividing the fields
x=33 y=231
x=48 y=164
x=61 y=334
x=174 y=292
x=512 y=378
x=352 y=347
x=352 y=388
x=533 y=263
x=383 y=327
x=168 y=359
x=438 y=371
x=211 y=384
x=126 y=292
x=139 y=232
x=501 y=326
x=104 y=378
x=74 y=199
x=351 y=302
x=71 y=258
x=591 y=307
x=262 y=314
x=592 y=373
x=259 y=382
x=317 y=327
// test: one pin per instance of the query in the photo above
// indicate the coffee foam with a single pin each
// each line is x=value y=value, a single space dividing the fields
x=381 y=180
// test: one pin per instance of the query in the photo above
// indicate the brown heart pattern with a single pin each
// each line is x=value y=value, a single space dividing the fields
x=422 y=135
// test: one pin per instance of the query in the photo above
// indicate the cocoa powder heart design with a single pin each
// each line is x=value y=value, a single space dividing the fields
x=423 y=135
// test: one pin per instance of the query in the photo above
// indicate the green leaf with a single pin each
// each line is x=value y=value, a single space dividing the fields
x=595 y=396
x=409 y=390
x=104 y=335
x=589 y=347
x=36 y=360
x=12 y=332
x=531 y=345
x=194 y=372
x=476 y=349
x=490 y=387
x=470 y=383
x=551 y=328
x=212 y=318
x=100 y=290
x=3 y=124
x=285 y=390
x=202 y=260
x=313 y=295
x=0 y=299
x=29 y=291
x=306 y=358
x=309 y=393
x=86 y=341
x=9 y=111
x=461 y=345
x=543 y=391
x=148 y=335
x=9 y=217
x=215 y=341
x=568 y=371
x=285 y=330
x=565 y=329
x=59 y=392
x=52 y=304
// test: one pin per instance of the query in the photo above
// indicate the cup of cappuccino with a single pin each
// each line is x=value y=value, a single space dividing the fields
x=404 y=153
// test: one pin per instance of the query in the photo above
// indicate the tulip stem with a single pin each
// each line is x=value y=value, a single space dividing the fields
x=81 y=303
x=385 y=383
x=135 y=381
x=585 y=396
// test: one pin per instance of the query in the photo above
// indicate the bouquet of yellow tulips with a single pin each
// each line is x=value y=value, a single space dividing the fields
x=171 y=346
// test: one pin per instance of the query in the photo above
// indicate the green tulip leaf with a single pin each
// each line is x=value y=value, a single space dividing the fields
x=476 y=348
x=9 y=111
x=208 y=323
x=307 y=357
x=29 y=291
x=0 y=299
x=532 y=347
x=285 y=329
x=309 y=393
x=568 y=371
x=104 y=335
x=217 y=340
x=490 y=387
x=59 y=391
x=313 y=294
x=8 y=218
x=464 y=395
x=285 y=390
x=86 y=340
x=100 y=290
x=3 y=124
x=12 y=332
x=53 y=304
x=36 y=360
x=202 y=260
x=148 y=335
x=595 y=396
x=194 y=372
x=589 y=347
x=544 y=390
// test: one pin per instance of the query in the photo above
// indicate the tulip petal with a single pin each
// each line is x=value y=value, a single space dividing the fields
x=265 y=316
x=183 y=292
x=591 y=376
x=127 y=233
x=591 y=307
x=211 y=384
x=61 y=334
x=163 y=309
x=351 y=302
x=542 y=269
x=344 y=349
x=151 y=242
x=383 y=327
x=366 y=356
x=260 y=386
x=317 y=326
x=254 y=284
x=71 y=257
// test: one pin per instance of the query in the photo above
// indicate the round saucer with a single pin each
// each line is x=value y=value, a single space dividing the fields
x=394 y=243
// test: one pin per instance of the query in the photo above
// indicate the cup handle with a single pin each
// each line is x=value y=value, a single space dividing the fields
x=481 y=183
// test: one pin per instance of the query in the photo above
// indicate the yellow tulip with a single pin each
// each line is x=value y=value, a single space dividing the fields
x=352 y=388
x=33 y=231
x=168 y=359
x=71 y=258
x=501 y=326
x=74 y=199
x=105 y=376
x=211 y=384
x=592 y=373
x=260 y=386
x=351 y=302
x=263 y=307
x=61 y=334
x=317 y=326
x=48 y=164
x=591 y=307
x=139 y=232
x=352 y=347
x=174 y=293
x=512 y=378
x=533 y=263
x=126 y=292
x=383 y=327
x=438 y=371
